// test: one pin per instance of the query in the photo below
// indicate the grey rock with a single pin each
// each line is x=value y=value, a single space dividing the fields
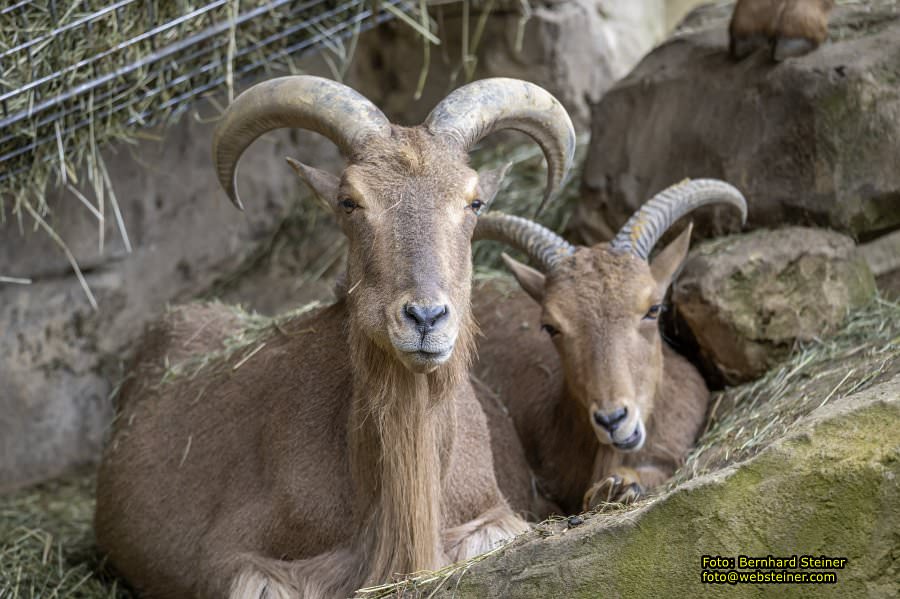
x=576 y=49
x=748 y=298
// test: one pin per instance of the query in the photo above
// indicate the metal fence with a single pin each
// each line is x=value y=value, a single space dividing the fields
x=71 y=69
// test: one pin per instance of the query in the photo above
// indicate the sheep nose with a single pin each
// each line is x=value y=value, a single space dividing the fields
x=426 y=317
x=611 y=420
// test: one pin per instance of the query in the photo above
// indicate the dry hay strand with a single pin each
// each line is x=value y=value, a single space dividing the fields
x=744 y=420
x=521 y=193
x=241 y=345
x=419 y=583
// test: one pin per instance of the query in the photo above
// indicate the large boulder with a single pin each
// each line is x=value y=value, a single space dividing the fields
x=749 y=298
x=810 y=141
x=576 y=49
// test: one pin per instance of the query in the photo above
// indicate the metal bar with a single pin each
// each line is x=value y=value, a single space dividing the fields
x=9 y=9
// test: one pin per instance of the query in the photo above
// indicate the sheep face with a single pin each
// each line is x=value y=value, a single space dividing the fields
x=600 y=307
x=409 y=206
x=407 y=200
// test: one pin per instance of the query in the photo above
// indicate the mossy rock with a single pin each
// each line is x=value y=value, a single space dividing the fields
x=748 y=299
x=830 y=488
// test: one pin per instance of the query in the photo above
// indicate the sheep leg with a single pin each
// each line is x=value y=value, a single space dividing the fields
x=753 y=25
x=484 y=533
x=802 y=27
x=621 y=485
x=332 y=574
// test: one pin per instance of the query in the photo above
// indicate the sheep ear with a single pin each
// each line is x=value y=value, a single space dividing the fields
x=323 y=184
x=489 y=183
x=531 y=280
x=668 y=263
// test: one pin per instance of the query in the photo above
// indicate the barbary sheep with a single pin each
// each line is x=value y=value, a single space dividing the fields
x=603 y=409
x=789 y=27
x=346 y=446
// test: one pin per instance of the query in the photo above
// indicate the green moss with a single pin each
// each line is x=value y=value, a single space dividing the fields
x=828 y=491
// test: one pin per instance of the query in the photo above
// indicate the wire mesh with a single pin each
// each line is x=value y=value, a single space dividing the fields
x=70 y=67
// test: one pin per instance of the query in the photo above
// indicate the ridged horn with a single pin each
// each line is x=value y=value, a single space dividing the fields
x=544 y=247
x=300 y=102
x=654 y=218
x=480 y=108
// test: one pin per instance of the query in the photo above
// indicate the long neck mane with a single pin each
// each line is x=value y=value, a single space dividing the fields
x=400 y=433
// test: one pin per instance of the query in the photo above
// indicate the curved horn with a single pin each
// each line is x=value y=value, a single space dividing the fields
x=482 y=107
x=542 y=245
x=654 y=218
x=321 y=105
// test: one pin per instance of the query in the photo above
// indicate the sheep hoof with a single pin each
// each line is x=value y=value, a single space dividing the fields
x=790 y=47
x=743 y=46
x=615 y=489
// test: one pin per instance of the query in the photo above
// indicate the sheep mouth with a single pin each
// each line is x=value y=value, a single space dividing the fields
x=431 y=356
x=422 y=353
x=632 y=442
x=422 y=361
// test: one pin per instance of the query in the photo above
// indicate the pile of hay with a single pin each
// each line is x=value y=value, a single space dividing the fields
x=745 y=419
x=46 y=541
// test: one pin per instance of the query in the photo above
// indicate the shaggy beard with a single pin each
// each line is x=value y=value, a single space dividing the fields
x=400 y=436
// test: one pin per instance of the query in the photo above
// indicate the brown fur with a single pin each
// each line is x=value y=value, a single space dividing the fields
x=605 y=357
x=792 y=27
x=329 y=458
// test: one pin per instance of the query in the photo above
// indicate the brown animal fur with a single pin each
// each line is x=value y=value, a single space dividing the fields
x=328 y=458
x=792 y=27
x=605 y=356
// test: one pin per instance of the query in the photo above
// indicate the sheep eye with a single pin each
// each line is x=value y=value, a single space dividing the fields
x=477 y=206
x=348 y=205
x=550 y=330
x=654 y=312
